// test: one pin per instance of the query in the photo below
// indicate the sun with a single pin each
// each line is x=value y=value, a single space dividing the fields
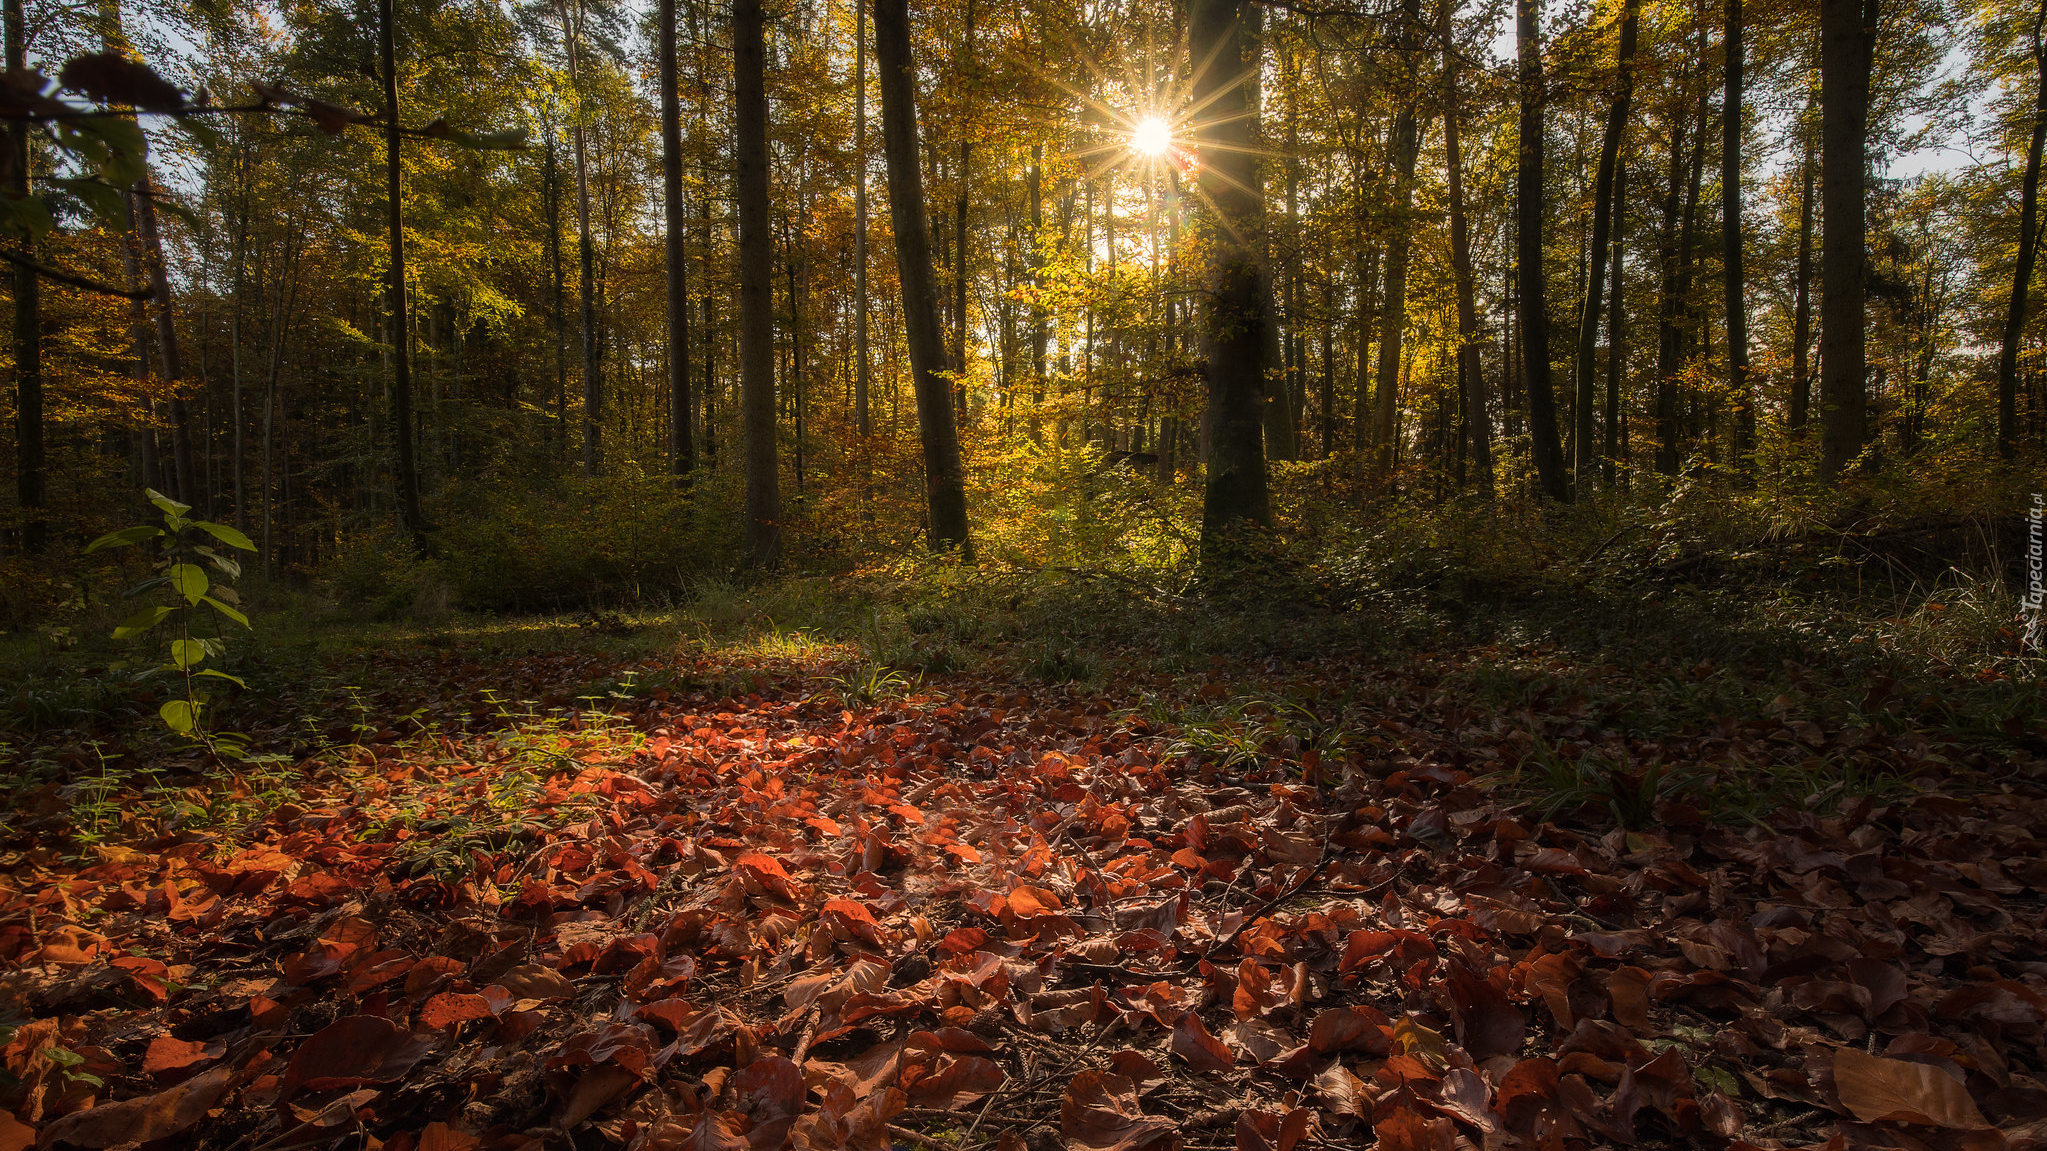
x=1152 y=136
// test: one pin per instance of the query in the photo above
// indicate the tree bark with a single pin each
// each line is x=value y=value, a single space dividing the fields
x=1393 y=316
x=1470 y=362
x=1233 y=327
x=1531 y=204
x=1731 y=262
x=863 y=421
x=1846 y=32
x=944 y=479
x=30 y=480
x=1801 y=311
x=681 y=437
x=1616 y=330
x=586 y=248
x=399 y=327
x=756 y=286
x=2022 y=275
x=1604 y=210
x=166 y=339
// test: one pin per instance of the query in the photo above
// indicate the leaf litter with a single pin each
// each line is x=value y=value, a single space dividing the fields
x=983 y=916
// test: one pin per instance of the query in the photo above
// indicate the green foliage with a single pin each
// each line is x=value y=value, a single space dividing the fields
x=186 y=552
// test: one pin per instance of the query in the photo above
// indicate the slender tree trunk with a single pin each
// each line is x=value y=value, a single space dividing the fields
x=558 y=311
x=586 y=249
x=166 y=339
x=1801 y=312
x=1846 y=32
x=399 y=326
x=1531 y=204
x=959 y=280
x=1470 y=363
x=30 y=480
x=1669 y=346
x=863 y=420
x=2022 y=275
x=1604 y=209
x=1393 y=317
x=1616 y=328
x=682 y=444
x=756 y=284
x=1041 y=334
x=944 y=478
x=1730 y=242
x=1233 y=331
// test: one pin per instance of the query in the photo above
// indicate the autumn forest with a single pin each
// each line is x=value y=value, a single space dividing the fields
x=1132 y=576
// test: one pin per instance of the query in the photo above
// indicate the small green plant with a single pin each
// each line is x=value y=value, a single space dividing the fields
x=872 y=683
x=186 y=553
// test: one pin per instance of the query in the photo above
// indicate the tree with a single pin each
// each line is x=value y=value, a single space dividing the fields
x=681 y=440
x=394 y=222
x=1847 y=32
x=1531 y=204
x=1393 y=319
x=1232 y=333
x=1605 y=207
x=1735 y=275
x=1470 y=364
x=756 y=273
x=2022 y=273
x=945 y=494
x=30 y=478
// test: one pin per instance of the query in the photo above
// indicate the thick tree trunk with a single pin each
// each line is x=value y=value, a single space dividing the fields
x=1846 y=31
x=1605 y=207
x=1531 y=204
x=30 y=480
x=944 y=479
x=1470 y=363
x=681 y=437
x=1233 y=332
x=756 y=284
x=399 y=328
x=1731 y=263
x=2022 y=275
x=1801 y=311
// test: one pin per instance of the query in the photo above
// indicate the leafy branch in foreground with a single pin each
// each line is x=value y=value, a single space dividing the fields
x=186 y=551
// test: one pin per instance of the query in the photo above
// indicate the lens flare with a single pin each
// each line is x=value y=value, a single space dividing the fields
x=1152 y=136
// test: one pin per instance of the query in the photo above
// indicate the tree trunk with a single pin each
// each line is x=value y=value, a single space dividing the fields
x=1616 y=330
x=28 y=324
x=1605 y=208
x=1801 y=312
x=1730 y=243
x=944 y=479
x=2022 y=275
x=1470 y=363
x=400 y=329
x=1233 y=328
x=586 y=249
x=1846 y=32
x=756 y=287
x=1531 y=202
x=166 y=339
x=558 y=313
x=959 y=279
x=863 y=420
x=1393 y=317
x=682 y=453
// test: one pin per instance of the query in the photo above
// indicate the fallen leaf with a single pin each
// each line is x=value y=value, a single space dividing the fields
x=1876 y=1089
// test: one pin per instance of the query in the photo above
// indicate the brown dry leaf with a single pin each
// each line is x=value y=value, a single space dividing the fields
x=1873 y=1089
x=1100 y=1113
x=1201 y=1050
x=351 y=1052
x=143 y=1119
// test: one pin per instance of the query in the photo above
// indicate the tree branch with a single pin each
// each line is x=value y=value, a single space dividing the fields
x=71 y=278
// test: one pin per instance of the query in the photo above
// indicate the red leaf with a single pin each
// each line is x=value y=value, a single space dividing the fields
x=960 y=1082
x=1100 y=1113
x=448 y=1009
x=143 y=1119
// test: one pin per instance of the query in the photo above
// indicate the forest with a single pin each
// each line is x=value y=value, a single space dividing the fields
x=1149 y=575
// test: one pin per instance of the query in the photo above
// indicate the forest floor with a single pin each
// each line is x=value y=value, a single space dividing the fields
x=715 y=882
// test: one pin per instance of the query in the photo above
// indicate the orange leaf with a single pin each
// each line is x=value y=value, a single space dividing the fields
x=1875 y=1089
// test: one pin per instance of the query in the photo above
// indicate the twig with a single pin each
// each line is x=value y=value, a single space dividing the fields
x=923 y=1140
x=72 y=279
